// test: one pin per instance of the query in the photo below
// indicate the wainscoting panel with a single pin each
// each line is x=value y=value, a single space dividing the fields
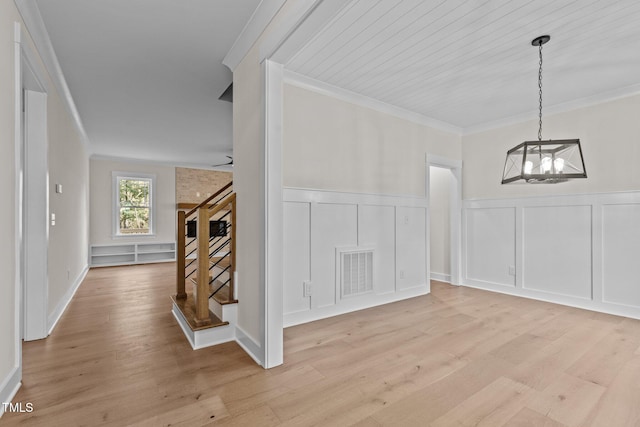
x=318 y=225
x=332 y=226
x=297 y=250
x=577 y=250
x=621 y=254
x=557 y=250
x=490 y=245
x=374 y=230
x=411 y=247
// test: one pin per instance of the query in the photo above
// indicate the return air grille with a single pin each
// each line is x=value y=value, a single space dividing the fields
x=357 y=272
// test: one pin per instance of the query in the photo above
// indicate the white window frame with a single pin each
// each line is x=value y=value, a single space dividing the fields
x=116 y=177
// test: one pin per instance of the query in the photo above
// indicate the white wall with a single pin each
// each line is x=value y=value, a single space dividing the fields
x=331 y=144
x=102 y=201
x=608 y=134
x=358 y=176
x=573 y=243
x=317 y=224
x=68 y=165
x=8 y=362
x=440 y=185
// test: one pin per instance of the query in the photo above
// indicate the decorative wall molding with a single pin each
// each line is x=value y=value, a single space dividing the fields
x=38 y=31
x=57 y=313
x=320 y=224
x=290 y=194
x=576 y=250
x=327 y=89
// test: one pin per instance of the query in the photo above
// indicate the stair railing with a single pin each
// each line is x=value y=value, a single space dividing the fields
x=194 y=253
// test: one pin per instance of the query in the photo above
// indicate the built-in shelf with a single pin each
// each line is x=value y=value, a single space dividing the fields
x=132 y=253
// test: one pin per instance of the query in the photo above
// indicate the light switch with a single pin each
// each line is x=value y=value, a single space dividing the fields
x=53 y=219
x=59 y=188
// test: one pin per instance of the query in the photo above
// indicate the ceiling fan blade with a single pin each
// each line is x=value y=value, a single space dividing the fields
x=225 y=164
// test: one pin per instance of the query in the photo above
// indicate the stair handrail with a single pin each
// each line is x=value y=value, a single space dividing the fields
x=202 y=284
x=208 y=199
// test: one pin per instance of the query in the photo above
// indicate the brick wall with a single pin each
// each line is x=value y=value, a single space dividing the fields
x=195 y=185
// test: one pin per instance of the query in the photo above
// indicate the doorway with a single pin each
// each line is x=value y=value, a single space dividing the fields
x=444 y=193
x=32 y=207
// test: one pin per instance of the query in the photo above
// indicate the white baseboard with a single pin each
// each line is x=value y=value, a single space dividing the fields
x=585 y=304
x=441 y=277
x=55 y=316
x=9 y=387
x=249 y=345
x=348 y=306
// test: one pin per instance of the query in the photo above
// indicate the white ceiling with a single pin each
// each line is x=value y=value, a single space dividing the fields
x=146 y=75
x=470 y=63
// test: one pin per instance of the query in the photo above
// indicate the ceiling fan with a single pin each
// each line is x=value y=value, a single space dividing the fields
x=230 y=163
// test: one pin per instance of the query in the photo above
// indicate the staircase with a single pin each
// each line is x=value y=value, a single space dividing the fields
x=205 y=303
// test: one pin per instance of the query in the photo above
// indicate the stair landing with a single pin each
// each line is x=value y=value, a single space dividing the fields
x=188 y=307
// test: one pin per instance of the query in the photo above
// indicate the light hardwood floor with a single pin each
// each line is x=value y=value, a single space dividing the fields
x=457 y=357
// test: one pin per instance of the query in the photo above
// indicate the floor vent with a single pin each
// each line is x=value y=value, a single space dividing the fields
x=356 y=268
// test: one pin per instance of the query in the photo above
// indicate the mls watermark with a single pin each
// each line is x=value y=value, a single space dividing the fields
x=19 y=407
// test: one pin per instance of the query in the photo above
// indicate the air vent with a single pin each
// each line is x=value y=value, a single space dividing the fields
x=356 y=268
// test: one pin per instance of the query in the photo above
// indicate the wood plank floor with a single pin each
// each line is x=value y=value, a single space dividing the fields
x=457 y=357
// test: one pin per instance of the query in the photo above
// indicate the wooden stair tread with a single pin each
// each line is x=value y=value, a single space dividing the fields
x=222 y=297
x=188 y=308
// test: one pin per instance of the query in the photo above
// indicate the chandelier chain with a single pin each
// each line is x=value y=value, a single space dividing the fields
x=540 y=93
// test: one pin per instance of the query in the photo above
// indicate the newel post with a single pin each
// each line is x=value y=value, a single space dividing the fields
x=202 y=297
x=180 y=256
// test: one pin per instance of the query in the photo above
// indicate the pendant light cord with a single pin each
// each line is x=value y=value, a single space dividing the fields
x=540 y=93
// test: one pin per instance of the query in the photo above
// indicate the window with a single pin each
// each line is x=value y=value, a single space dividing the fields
x=133 y=204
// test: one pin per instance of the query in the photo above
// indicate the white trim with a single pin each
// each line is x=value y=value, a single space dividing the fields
x=249 y=345
x=584 y=304
x=300 y=23
x=274 y=228
x=576 y=104
x=252 y=31
x=349 y=305
x=441 y=277
x=35 y=25
x=9 y=387
x=57 y=313
x=116 y=176
x=455 y=215
x=327 y=89
x=18 y=190
x=303 y=195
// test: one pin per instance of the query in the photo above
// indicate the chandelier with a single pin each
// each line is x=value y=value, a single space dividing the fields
x=544 y=162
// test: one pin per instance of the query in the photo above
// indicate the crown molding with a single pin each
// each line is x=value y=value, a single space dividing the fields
x=564 y=107
x=34 y=24
x=259 y=20
x=327 y=89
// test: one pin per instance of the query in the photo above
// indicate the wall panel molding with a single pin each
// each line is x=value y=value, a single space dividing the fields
x=318 y=224
x=576 y=250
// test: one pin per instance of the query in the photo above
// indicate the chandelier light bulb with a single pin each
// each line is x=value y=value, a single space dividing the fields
x=558 y=164
x=545 y=165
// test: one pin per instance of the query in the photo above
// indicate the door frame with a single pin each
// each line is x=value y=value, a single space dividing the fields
x=455 y=213
x=31 y=305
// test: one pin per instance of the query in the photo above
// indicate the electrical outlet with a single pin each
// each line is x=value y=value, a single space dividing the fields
x=306 y=288
x=402 y=274
x=406 y=220
x=512 y=270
